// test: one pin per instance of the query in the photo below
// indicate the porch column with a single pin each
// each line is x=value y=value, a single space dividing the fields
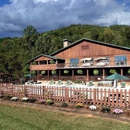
x=48 y=74
x=103 y=74
x=37 y=74
x=121 y=71
x=59 y=74
x=72 y=75
x=87 y=72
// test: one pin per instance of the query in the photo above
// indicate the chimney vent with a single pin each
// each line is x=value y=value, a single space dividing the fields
x=66 y=42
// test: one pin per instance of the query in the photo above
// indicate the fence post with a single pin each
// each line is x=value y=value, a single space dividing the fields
x=94 y=96
x=66 y=94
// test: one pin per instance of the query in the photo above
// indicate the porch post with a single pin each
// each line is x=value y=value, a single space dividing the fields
x=103 y=73
x=72 y=75
x=37 y=74
x=48 y=74
x=121 y=71
x=59 y=74
x=87 y=72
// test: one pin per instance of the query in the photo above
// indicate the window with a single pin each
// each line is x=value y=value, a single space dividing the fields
x=74 y=62
x=120 y=60
x=84 y=47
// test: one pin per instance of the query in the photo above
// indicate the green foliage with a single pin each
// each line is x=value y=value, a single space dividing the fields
x=95 y=72
x=53 y=72
x=49 y=102
x=105 y=109
x=64 y=104
x=51 y=62
x=43 y=72
x=80 y=71
x=66 y=71
x=112 y=71
x=32 y=100
x=128 y=71
x=79 y=105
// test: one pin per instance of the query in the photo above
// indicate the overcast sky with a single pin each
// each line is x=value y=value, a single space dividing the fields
x=44 y=15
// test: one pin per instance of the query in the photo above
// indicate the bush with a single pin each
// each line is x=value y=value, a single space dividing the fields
x=118 y=111
x=49 y=102
x=1 y=96
x=79 y=105
x=41 y=101
x=43 y=72
x=105 y=109
x=79 y=71
x=93 y=107
x=25 y=99
x=32 y=100
x=14 y=99
x=64 y=104
x=7 y=97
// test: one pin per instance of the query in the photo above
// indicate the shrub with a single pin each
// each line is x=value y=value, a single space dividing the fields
x=112 y=71
x=14 y=99
x=7 y=97
x=79 y=105
x=93 y=107
x=49 y=102
x=79 y=71
x=66 y=71
x=64 y=104
x=118 y=111
x=43 y=72
x=25 y=99
x=1 y=96
x=32 y=100
x=51 y=62
x=53 y=72
x=41 y=101
x=105 y=109
x=95 y=72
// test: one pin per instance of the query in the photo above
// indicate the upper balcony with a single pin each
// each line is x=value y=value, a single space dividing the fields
x=93 y=64
x=43 y=67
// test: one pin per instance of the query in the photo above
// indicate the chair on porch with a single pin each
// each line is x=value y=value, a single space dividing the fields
x=68 y=82
x=59 y=82
x=123 y=84
x=51 y=82
x=90 y=83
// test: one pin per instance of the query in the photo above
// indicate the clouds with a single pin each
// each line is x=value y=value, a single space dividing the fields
x=46 y=15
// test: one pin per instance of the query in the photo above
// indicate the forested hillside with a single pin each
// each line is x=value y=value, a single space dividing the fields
x=16 y=52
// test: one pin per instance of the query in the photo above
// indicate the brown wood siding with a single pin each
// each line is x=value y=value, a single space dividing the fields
x=43 y=67
x=93 y=50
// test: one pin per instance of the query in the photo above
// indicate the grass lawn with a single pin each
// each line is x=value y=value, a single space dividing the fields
x=21 y=118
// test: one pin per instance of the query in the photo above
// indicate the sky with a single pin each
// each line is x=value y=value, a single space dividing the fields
x=46 y=15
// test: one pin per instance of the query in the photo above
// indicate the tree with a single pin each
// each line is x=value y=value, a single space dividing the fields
x=109 y=35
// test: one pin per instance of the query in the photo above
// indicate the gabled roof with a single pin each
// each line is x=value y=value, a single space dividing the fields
x=48 y=56
x=89 y=40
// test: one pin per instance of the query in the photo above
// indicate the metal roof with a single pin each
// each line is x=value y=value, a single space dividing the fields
x=48 y=56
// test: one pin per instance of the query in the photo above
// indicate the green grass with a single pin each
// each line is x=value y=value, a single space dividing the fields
x=25 y=118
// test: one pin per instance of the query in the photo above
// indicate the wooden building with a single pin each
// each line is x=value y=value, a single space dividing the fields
x=84 y=59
